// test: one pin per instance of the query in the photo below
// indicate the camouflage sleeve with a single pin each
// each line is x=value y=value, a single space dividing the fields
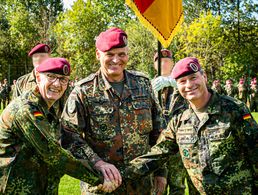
x=159 y=124
x=250 y=131
x=74 y=124
x=37 y=131
x=158 y=120
x=157 y=157
x=16 y=91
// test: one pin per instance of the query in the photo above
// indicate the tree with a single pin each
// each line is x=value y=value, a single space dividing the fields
x=26 y=23
x=142 y=46
x=203 y=38
x=76 y=31
x=77 y=28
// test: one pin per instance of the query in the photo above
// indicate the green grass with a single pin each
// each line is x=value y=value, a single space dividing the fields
x=255 y=115
x=69 y=186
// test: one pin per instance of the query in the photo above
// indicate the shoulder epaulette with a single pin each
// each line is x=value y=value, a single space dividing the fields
x=21 y=78
x=138 y=74
x=179 y=109
x=85 y=80
x=231 y=99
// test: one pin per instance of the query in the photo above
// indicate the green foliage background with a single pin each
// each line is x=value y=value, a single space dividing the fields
x=222 y=34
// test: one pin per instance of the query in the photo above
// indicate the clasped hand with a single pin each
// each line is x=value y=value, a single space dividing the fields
x=112 y=177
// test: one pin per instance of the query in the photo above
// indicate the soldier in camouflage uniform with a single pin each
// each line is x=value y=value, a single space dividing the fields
x=31 y=158
x=171 y=101
x=230 y=89
x=39 y=53
x=5 y=93
x=115 y=111
x=216 y=136
x=254 y=96
x=242 y=91
x=216 y=86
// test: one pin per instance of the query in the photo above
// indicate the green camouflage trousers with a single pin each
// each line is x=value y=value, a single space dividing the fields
x=177 y=175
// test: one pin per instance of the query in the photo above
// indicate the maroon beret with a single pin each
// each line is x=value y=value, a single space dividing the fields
x=111 y=38
x=241 y=81
x=185 y=67
x=165 y=53
x=40 y=48
x=55 y=65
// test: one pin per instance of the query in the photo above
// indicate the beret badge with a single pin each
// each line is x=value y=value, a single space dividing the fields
x=46 y=49
x=194 y=67
x=65 y=69
x=125 y=40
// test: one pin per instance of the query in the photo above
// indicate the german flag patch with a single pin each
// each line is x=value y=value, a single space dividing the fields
x=247 y=116
x=38 y=114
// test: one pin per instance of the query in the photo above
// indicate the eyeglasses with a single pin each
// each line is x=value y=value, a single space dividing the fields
x=53 y=77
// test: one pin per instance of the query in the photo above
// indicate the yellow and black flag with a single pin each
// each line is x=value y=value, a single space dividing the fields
x=161 y=17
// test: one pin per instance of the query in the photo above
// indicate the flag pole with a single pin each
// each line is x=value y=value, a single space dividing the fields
x=159 y=69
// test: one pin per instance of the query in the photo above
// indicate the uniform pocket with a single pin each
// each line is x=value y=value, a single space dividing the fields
x=143 y=115
x=221 y=147
x=218 y=133
x=102 y=120
x=187 y=139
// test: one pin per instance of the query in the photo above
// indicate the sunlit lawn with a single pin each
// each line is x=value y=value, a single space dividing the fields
x=71 y=186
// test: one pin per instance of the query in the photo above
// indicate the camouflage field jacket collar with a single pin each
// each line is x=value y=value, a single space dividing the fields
x=214 y=107
x=32 y=76
x=105 y=85
x=35 y=98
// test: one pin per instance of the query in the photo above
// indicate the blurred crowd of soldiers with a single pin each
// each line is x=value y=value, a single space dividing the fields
x=5 y=93
x=241 y=90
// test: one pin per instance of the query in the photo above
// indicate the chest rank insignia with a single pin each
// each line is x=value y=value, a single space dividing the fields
x=186 y=153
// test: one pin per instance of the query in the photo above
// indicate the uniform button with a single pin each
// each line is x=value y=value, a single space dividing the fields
x=103 y=127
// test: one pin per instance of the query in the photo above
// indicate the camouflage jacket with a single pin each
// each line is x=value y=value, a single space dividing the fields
x=254 y=92
x=231 y=91
x=218 y=89
x=5 y=90
x=242 y=93
x=118 y=129
x=24 y=83
x=220 y=152
x=31 y=158
x=28 y=82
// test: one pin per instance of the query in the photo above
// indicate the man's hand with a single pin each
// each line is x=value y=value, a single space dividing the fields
x=112 y=177
x=160 y=184
x=160 y=82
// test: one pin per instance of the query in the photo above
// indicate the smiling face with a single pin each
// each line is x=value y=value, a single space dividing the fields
x=193 y=87
x=113 y=63
x=51 y=86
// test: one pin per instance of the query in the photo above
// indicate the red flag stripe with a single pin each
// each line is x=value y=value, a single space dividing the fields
x=143 y=5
